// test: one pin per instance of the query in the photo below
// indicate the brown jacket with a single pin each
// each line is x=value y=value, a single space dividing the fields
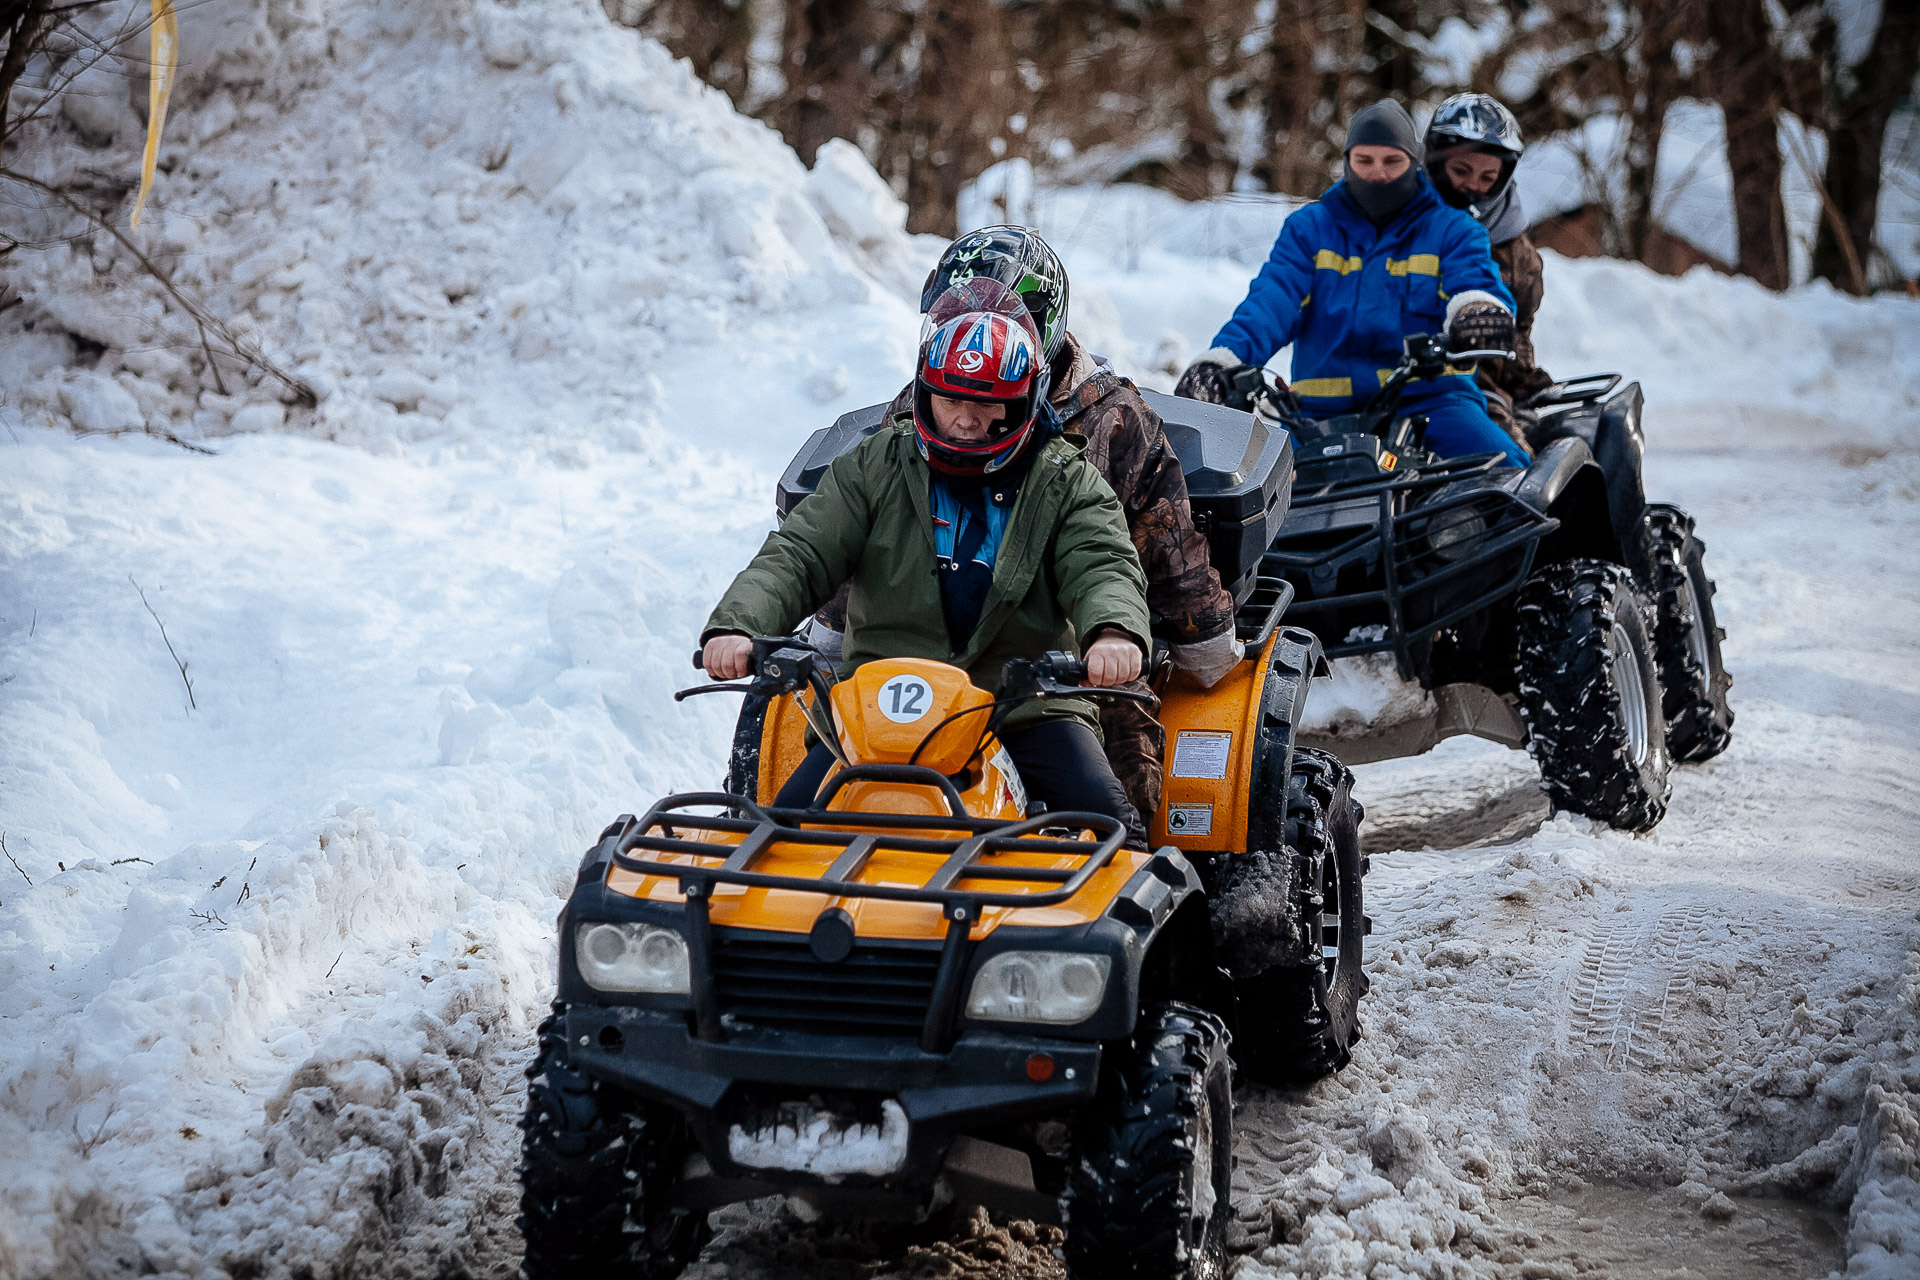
x=1509 y=382
x=1128 y=446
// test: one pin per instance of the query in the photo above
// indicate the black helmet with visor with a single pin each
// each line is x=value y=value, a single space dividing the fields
x=1481 y=123
x=1019 y=259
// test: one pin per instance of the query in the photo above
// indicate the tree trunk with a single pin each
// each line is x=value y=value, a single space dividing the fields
x=827 y=82
x=1306 y=101
x=959 y=99
x=1856 y=130
x=24 y=25
x=1749 y=86
x=1203 y=169
x=1658 y=87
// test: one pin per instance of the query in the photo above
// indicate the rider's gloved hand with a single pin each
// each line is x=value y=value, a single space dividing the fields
x=1210 y=376
x=1209 y=660
x=727 y=657
x=1112 y=659
x=1479 y=324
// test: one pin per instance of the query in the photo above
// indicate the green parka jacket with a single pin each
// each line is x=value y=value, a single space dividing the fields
x=1066 y=567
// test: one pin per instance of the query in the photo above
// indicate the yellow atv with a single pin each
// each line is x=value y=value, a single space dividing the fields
x=919 y=992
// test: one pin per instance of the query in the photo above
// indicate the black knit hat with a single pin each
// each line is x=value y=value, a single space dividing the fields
x=1385 y=124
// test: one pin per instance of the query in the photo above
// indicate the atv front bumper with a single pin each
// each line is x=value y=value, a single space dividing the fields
x=984 y=1081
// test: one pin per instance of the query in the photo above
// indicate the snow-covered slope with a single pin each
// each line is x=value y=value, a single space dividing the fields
x=473 y=224
x=573 y=310
x=266 y=998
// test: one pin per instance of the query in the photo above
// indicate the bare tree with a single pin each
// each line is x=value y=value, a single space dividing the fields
x=830 y=86
x=24 y=26
x=1313 y=74
x=1749 y=83
x=1863 y=97
x=713 y=35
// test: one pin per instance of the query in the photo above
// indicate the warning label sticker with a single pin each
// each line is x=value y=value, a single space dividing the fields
x=1190 y=820
x=1202 y=755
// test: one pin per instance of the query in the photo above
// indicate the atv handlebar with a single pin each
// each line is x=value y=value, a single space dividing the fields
x=783 y=664
x=1424 y=355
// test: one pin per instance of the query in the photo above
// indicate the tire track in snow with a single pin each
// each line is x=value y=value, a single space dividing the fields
x=1629 y=978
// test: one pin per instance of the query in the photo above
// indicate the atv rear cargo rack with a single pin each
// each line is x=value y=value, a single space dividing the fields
x=1411 y=577
x=762 y=827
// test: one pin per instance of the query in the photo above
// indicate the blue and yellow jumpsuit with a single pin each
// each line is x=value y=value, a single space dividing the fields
x=1346 y=293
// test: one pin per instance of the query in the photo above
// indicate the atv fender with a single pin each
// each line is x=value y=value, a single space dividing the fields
x=1616 y=443
x=1297 y=658
x=1552 y=470
x=1566 y=483
x=1177 y=935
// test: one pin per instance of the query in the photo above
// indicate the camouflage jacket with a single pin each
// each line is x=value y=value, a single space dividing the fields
x=1127 y=445
x=1521 y=269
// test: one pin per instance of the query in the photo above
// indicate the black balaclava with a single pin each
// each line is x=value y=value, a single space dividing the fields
x=1384 y=124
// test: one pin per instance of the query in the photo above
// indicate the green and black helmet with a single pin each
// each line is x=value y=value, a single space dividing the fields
x=1018 y=258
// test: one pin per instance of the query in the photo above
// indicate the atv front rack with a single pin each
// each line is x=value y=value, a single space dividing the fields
x=762 y=827
x=1412 y=578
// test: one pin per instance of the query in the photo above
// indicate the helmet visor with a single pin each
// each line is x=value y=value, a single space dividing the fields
x=977 y=294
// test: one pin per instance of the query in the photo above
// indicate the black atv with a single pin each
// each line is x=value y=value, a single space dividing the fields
x=1550 y=606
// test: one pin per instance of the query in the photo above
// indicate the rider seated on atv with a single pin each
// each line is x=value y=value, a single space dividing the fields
x=1473 y=144
x=1128 y=446
x=1378 y=258
x=970 y=534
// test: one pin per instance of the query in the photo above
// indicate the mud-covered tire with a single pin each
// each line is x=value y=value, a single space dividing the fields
x=1590 y=693
x=1137 y=1206
x=591 y=1162
x=1687 y=639
x=1297 y=1023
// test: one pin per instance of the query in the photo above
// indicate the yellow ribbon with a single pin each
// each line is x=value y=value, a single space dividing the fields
x=165 y=33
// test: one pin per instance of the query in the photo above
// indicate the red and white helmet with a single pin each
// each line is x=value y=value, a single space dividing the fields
x=979 y=346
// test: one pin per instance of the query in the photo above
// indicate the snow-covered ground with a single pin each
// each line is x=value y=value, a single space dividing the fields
x=268 y=994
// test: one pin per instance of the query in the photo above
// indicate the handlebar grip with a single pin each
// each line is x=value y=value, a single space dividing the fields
x=699 y=659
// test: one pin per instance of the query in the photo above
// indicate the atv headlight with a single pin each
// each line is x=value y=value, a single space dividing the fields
x=1454 y=535
x=631 y=957
x=1039 y=986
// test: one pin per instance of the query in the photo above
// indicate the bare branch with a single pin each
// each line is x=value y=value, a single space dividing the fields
x=99 y=1131
x=10 y=858
x=238 y=347
x=191 y=704
x=158 y=433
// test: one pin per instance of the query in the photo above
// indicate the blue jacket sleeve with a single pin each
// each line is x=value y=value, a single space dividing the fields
x=1269 y=315
x=1468 y=262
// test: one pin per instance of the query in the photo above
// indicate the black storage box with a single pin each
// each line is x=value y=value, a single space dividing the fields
x=1239 y=475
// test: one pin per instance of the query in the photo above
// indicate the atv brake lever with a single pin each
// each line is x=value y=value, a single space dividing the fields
x=1051 y=673
x=740 y=686
x=1054 y=689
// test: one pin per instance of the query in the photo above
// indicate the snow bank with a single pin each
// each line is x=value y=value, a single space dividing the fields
x=273 y=979
x=604 y=248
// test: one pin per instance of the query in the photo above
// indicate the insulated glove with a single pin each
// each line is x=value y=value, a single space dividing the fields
x=1209 y=660
x=1210 y=377
x=1481 y=326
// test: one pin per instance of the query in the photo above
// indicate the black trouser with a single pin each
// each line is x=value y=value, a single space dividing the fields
x=1060 y=761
